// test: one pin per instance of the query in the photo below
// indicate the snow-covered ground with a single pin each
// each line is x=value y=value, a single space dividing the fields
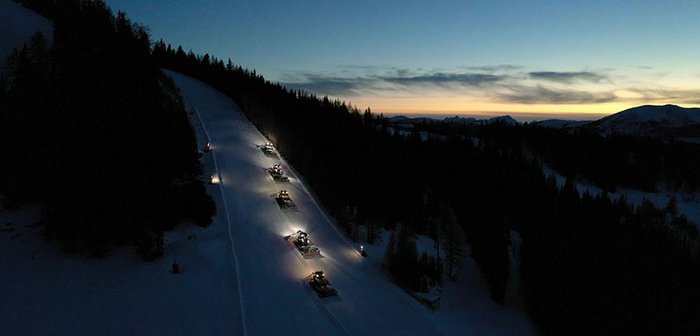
x=688 y=203
x=275 y=298
x=240 y=277
x=466 y=307
x=17 y=25
x=45 y=292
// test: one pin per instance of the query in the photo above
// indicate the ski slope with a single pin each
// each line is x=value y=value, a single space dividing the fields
x=240 y=277
x=275 y=300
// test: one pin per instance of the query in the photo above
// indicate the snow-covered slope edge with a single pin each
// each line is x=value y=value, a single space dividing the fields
x=17 y=25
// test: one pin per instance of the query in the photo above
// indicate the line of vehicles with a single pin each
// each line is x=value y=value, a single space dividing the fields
x=300 y=239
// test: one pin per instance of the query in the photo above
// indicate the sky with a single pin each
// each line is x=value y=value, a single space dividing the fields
x=530 y=59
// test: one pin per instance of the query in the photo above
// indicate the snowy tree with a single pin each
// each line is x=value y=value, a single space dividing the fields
x=390 y=250
x=672 y=206
x=453 y=242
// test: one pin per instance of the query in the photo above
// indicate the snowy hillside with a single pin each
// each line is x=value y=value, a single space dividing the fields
x=649 y=120
x=275 y=299
x=688 y=203
x=17 y=25
x=240 y=277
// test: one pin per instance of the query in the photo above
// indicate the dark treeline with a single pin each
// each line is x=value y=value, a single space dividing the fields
x=590 y=265
x=91 y=129
x=644 y=163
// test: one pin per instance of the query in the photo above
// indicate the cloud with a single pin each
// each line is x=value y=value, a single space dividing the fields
x=494 y=68
x=376 y=70
x=443 y=79
x=511 y=86
x=567 y=77
x=664 y=95
x=325 y=85
x=544 y=95
x=388 y=79
x=541 y=94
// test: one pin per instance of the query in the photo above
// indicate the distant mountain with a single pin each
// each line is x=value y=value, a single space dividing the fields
x=506 y=119
x=398 y=119
x=460 y=120
x=17 y=25
x=406 y=121
x=561 y=123
x=651 y=120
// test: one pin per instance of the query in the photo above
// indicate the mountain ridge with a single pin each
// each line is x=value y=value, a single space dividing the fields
x=651 y=120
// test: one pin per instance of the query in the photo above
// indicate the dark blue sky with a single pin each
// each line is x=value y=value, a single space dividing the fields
x=451 y=56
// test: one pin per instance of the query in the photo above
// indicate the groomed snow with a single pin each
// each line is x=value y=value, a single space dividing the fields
x=276 y=300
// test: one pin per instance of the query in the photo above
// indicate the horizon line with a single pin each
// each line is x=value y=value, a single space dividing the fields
x=519 y=116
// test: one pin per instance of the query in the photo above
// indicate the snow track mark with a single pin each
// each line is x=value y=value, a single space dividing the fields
x=324 y=309
x=228 y=221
